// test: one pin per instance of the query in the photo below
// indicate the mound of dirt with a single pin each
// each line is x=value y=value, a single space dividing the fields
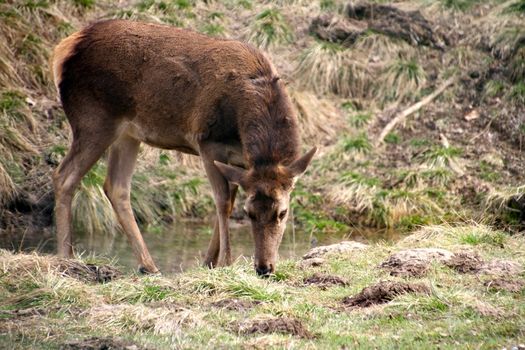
x=282 y=325
x=471 y=262
x=313 y=262
x=414 y=262
x=362 y=18
x=324 y=281
x=97 y=343
x=88 y=272
x=497 y=284
x=383 y=292
x=501 y=267
x=235 y=304
x=465 y=262
x=338 y=248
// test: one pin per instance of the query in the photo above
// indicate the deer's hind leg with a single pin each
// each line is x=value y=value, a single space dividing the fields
x=121 y=163
x=89 y=143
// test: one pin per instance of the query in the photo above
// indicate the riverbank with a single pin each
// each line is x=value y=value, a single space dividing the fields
x=468 y=291
x=456 y=158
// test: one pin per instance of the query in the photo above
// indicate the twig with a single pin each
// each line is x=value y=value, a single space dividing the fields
x=414 y=108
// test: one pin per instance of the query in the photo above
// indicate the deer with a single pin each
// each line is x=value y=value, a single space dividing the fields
x=123 y=83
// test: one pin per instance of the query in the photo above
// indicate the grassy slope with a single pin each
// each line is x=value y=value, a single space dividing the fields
x=177 y=312
x=427 y=172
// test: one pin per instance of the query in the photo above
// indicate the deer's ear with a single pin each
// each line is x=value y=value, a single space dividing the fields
x=299 y=166
x=233 y=174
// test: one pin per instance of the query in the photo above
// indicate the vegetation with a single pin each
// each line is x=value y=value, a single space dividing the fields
x=47 y=304
x=456 y=161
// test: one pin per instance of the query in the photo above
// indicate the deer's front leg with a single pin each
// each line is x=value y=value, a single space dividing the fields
x=222 y=194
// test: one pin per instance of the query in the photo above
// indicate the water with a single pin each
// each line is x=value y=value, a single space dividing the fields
x=183 y=245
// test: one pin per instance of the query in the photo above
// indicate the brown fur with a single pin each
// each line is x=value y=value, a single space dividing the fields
x=123 y=82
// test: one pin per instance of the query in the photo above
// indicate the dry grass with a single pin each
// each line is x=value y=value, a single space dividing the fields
x=329 y=68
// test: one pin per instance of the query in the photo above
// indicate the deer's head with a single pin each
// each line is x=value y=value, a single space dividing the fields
x=268 y=191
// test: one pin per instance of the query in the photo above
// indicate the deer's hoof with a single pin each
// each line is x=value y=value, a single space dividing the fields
x=144 y=271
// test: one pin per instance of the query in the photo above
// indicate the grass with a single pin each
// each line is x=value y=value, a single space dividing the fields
x=458 y=5
x=269 y=28
x=164 y=312
x=404 y=78
x=330 y=68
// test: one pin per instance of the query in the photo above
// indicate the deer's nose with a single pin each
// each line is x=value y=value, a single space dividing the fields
x=264 y=270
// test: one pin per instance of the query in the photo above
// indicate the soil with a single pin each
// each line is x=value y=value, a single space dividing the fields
x=88 y=272
x=502 y=267
x=410 y=268
x=235 y=304
x=498 y=284
x=96 y=343
x=362 y=18
x=466 y=262
x=383 y=292
x=324 y=281
x=414 y=262
x=282 y=325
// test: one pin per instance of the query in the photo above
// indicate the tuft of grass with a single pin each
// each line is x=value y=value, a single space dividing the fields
x=270 y=29
x=403 y=79
x=441 y=156
x=517 y=93
x=360 y=120
x=494 y=88
x=331 y=68
x=458 y=5
x=359 y=143
x=517 y=6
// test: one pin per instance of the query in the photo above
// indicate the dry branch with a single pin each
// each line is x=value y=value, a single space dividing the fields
x=412 y=109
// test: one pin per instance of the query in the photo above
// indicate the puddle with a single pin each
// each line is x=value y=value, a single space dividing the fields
x=183 y=244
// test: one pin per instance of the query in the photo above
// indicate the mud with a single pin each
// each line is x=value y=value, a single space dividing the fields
x=235 y=304
x=414 y=262
x=499 y=284
x=383 y=292
x=282 y=325
x=88 y=272
x=96 y=343
x=324 y=281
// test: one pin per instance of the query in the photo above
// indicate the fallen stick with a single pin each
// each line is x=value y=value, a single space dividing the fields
x=414 y=108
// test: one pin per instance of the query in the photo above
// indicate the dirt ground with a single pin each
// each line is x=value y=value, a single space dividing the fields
x=383 y=292
x=281 y=325
x=96 y=343
x=324 y=281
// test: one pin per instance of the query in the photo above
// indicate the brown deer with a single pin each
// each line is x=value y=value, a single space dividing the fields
x=122 y=83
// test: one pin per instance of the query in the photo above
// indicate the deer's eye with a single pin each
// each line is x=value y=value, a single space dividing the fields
x=250 y=215
x=282 y=214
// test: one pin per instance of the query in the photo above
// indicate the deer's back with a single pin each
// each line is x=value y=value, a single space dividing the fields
x=162 y=78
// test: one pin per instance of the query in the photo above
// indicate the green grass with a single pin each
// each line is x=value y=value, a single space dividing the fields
x=270 y=28
x=165 y=312
x=459 y=5
x=517 y=6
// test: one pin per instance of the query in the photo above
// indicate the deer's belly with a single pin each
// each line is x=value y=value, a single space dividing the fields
x=165 y=138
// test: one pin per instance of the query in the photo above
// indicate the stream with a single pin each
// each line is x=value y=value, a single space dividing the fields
x=182 y=245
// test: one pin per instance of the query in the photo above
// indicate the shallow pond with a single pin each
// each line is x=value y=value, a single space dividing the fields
x=183 y=244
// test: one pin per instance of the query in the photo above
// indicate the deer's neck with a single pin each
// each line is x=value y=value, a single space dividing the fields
x=268 y=129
